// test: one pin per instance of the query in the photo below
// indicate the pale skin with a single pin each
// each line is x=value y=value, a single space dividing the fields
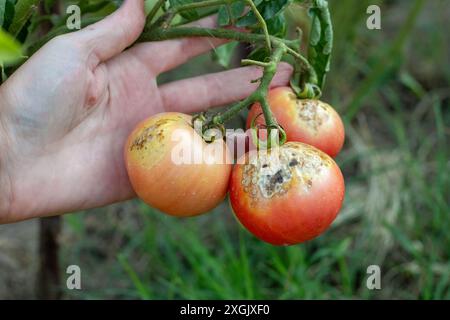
x=66 y=113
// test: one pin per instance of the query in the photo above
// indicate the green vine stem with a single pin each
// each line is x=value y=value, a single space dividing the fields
x=262 y=23
x=287 y=45
x=260 y=95
x=269 y=73
x=161 y=34
x=154 y=11
x=249 y=62
x=202 y=4
x=167 y=18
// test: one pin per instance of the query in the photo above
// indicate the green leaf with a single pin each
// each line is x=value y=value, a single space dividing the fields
x=268 y=9
x=224 y=54
x=316 y=30
x=23 y=34
x=24 y=10
x=48 y=5
x=143 y=290
x=320 y=40
x=412 y=84
x=259 y=54
x=10 y=49
x=149 y=5
x=223 y=18
x=2 y=11
x=277 y=26
x=236 y=9
x=189 y=14
x=94 y=7
x=6 y=13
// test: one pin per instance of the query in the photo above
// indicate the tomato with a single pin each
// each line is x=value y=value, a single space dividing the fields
x=173 y=169
x=287 y=195
x=309 y=121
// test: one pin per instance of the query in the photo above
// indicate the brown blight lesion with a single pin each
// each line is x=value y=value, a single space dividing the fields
x=313 y=113
x=272 y=174
x=148 y=134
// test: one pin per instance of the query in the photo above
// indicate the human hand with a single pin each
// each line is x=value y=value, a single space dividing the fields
x=66 y=113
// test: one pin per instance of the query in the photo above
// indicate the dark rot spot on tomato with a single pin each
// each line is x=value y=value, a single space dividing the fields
x=288 y=195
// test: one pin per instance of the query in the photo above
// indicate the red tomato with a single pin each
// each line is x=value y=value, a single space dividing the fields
x=173 y=169
x=309 y=121
x=287 y=195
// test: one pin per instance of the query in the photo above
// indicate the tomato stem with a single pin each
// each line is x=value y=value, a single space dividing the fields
x=232 y=111
x=203 y=4
x=262 y=23
x=260 y=95
x=154 y=11
x=166 y=19
x=161 y=34
x=248 y=62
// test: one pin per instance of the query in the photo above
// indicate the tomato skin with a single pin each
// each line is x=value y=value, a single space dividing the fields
x=177 y=189
x=306 y=203
x=309 y=121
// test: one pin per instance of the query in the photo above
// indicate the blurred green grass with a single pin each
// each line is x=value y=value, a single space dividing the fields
x=392 y=87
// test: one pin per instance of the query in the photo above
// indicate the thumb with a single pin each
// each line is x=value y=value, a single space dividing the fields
x=116 y=32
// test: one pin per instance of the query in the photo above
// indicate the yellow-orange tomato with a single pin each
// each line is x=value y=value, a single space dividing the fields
x=287 y=195
x=309 y=121
x=173 y=169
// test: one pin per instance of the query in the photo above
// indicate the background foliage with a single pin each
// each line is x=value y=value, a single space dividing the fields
x=392 y=88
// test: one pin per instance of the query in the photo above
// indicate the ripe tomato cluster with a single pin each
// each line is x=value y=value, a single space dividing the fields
x=305 y=120
x=285 y=195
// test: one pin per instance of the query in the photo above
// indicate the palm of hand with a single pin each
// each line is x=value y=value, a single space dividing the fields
x=76 y=129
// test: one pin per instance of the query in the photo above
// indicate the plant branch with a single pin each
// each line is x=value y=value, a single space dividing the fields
x=263 y=89
x=232 y=111
x=248 y=62
x=260 y=95
x=167 y=18
x=262 y=23
x=202 y=4
x=154 y=11
x=298 y=56
x=161 y=34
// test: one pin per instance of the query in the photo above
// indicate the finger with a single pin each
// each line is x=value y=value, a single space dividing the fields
x=116 y=32
x=162 y=56
x=201 y=93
